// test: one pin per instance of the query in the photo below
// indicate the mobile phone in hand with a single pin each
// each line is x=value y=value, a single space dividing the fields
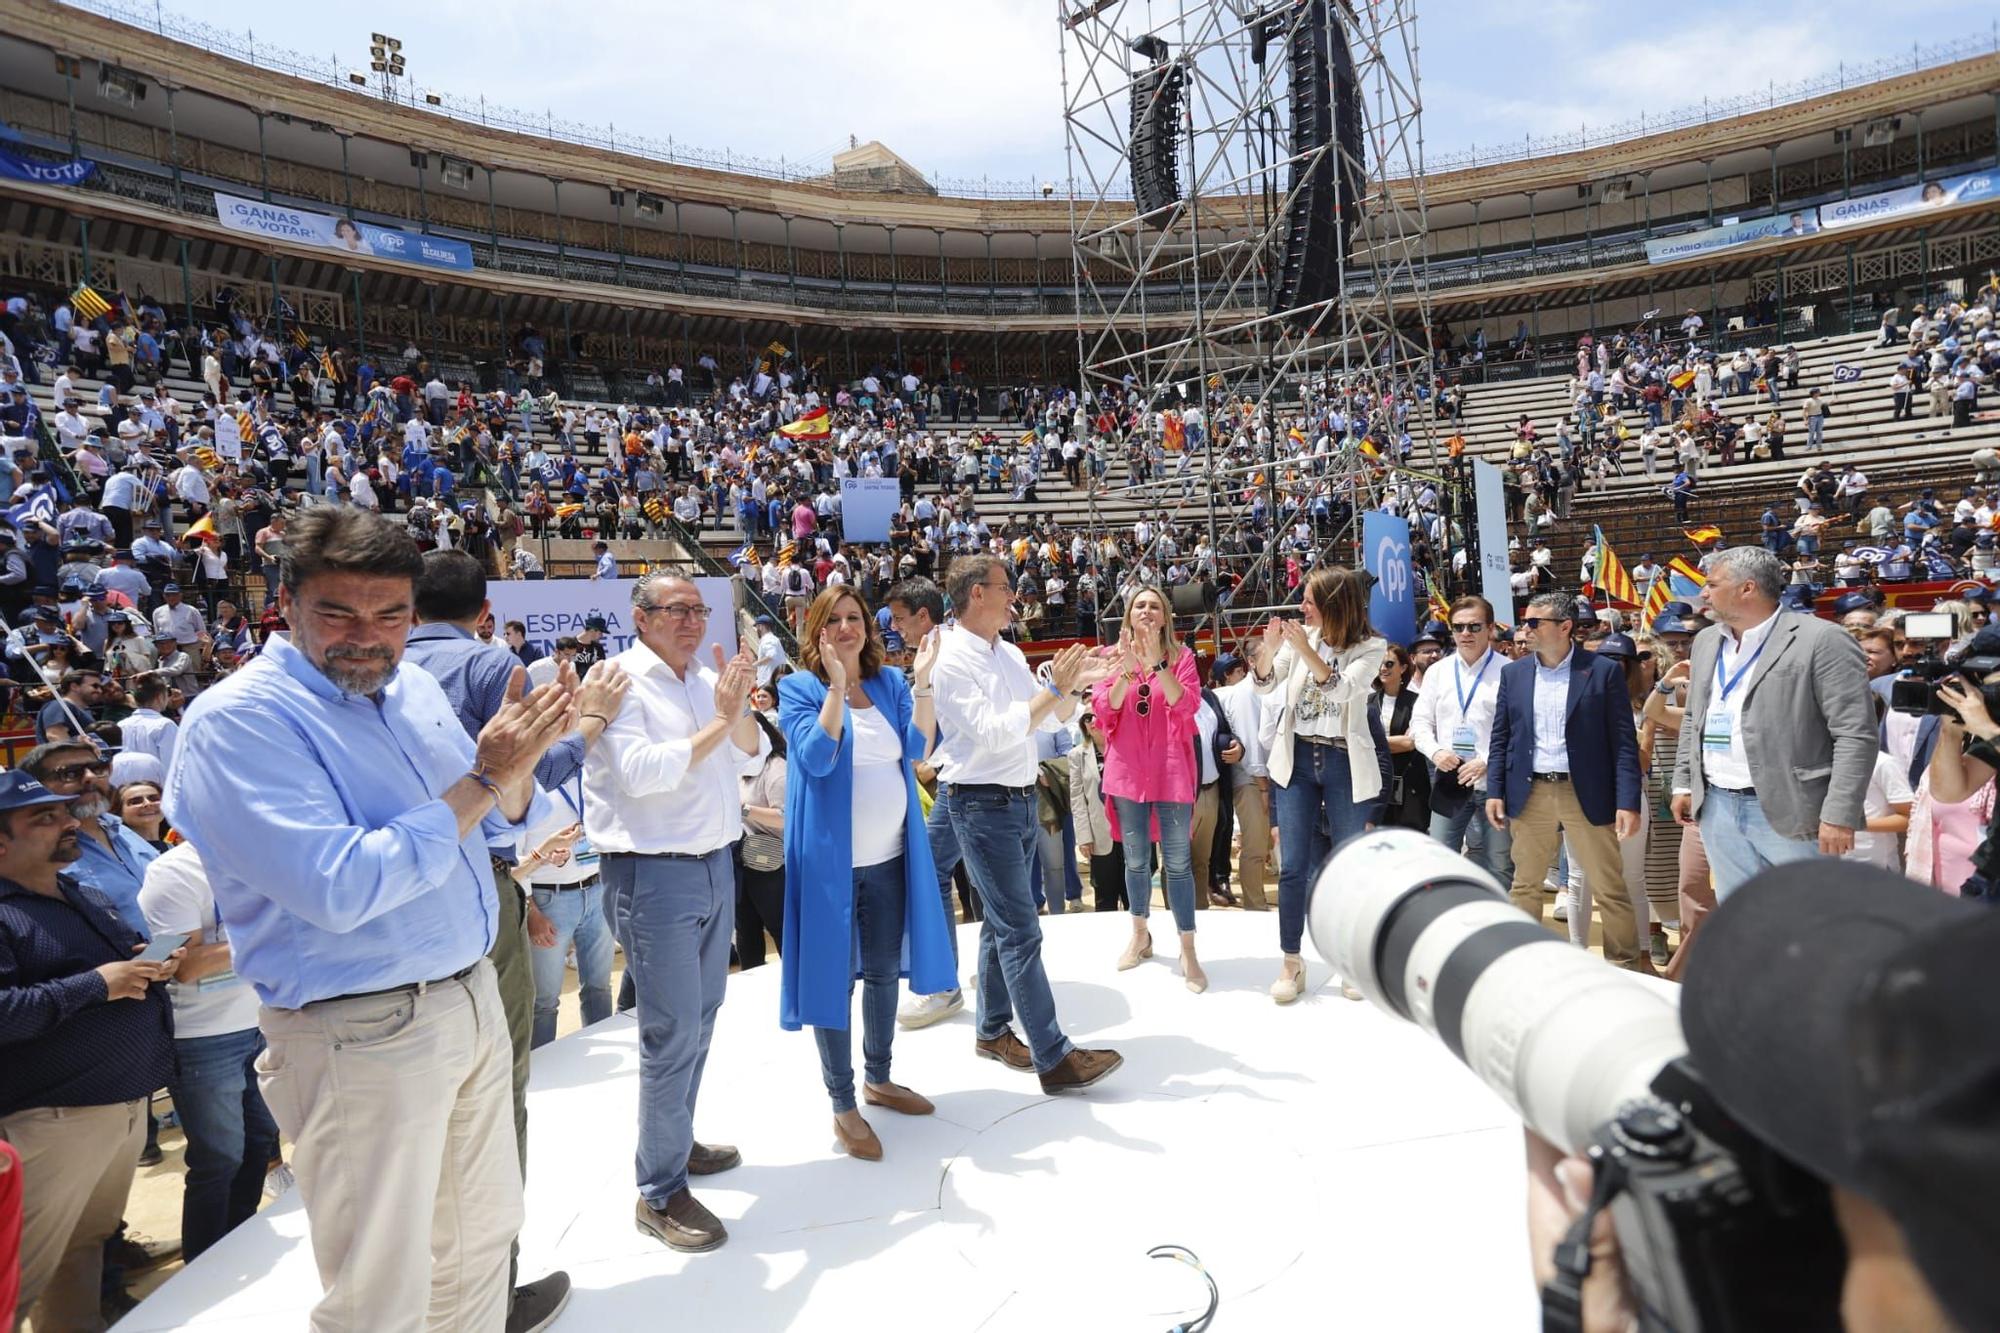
x=162 y=946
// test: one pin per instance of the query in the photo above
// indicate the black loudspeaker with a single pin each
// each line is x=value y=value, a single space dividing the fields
x=1156 y=122
x=1325 y=189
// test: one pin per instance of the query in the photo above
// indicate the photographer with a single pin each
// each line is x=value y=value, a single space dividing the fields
x=1826 y=1013
x=1967 y=753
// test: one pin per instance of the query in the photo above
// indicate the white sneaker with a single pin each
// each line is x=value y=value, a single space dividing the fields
x=1561 y=911
x=920 y=1011
x=278 y=1181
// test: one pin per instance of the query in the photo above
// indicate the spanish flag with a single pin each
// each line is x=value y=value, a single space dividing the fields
x=200 y=528
x=1175 y=431
x=1367 y=446
x=1682 y=380
x=85 y=302
x=814 y=425
x=1611 y=574
x=1702 y=534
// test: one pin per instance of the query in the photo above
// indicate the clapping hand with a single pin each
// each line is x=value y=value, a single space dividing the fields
x=830 y=663
x=734 y=677
x=516 y=737
x=602 y=692
x=926 y=659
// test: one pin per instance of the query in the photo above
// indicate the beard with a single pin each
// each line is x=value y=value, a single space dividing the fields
x=67 y=849
x=89 y=807
x=358 y=670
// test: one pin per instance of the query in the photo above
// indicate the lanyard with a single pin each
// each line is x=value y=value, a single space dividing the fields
x=1741 y=671
x=1458 y=679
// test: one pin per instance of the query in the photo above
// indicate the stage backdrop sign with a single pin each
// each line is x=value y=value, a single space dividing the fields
x=341 y=235
x=1385 y=553
x=551 y=608
x=867 y=506
x=1949 y=192
x=1709 y=240
x=1489 y=497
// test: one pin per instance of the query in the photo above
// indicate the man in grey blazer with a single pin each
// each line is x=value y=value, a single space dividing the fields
x=1779 y=737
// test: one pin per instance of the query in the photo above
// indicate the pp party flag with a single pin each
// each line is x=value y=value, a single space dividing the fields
x=1611 y=574
x=1701 y=535
x=1846 y=373
x=86 y=302
x=814 y=425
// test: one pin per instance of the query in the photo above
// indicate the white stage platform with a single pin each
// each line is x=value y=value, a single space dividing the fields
x=1332 y=1167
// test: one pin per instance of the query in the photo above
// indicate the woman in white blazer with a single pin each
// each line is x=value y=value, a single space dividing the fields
x=1329 y=758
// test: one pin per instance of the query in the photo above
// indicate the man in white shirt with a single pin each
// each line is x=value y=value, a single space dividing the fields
x=1242 y=708
x=663 y=809
x=1452 y=725
x=145 y=731
x=177 y=618
x=989 y=707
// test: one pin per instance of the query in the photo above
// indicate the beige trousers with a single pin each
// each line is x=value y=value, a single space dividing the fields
x=1551 y=812
x=1253 y=839
x=77 y=1164
x=400 y=1112
x=1201 y=836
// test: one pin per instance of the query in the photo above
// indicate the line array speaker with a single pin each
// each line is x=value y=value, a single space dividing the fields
x=1325 y=189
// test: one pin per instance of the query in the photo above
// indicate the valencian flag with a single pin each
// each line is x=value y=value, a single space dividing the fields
x=746 y=554
x=300 y=339
x=1611 y=574
x=656 y=509
x=329 y=367
x=1657 y=597
x=1440 y=609
x=86 y=302
x=786 y=553
x=1702 y=534
x=814 y=425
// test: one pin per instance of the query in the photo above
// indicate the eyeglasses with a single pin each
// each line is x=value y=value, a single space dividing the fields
x=1529 y=622
x=1467 y=629
x=682 y=610
x=75 y=772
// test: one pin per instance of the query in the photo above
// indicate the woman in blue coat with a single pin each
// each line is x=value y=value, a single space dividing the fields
x=860 y=891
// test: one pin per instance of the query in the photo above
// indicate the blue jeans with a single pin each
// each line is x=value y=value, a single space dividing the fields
x=878 y=930
x=1135 y=835
x=1741 y=843
x=946 y=856
x=1815 y=431
x=675 y=917
x=1484 y=844
x=996 y=833
x=1049 y=868
x=231 y=1137
x=1317 y=801
x=578 y=916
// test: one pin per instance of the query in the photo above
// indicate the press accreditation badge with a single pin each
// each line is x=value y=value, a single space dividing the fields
x=1716 y=731
x=1464 y=742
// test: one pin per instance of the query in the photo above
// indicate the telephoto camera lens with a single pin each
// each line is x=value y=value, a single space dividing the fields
x=1565 y=1038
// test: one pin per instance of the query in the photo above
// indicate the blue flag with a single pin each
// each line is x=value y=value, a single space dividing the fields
x=74 y=172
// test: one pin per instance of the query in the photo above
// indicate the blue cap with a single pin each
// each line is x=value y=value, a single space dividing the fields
x=1852 y=601
x=1671 y=625
x=170 y=587
x=1437 y=629
x=1617 y=645
x=18 y=791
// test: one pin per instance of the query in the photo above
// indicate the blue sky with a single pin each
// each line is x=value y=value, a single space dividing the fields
x=969 y=88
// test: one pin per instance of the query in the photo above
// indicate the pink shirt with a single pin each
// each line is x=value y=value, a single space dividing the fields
x=1150 y=758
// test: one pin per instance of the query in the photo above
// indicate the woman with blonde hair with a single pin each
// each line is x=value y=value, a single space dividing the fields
x=860 y=891
x=1146 y=710
x=1329 y=757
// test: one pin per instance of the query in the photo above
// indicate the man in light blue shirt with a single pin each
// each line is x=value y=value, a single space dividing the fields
x=345 y=819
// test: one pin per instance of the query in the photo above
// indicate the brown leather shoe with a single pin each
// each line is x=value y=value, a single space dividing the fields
x=863 y=1145
x=683 y=1224
x=1080 y=1069
x=705 y=1159
x=898 y=1099
x=1007 y=1049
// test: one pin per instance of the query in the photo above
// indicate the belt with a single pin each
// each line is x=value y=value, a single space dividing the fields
x=1551 y=777
x=413 y=987
x=672 y=856
x=1332 y=742
x=1733 y=791
x=970 y=787
x=588 y=881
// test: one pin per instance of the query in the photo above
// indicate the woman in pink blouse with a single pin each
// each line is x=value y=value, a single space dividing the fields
x=1147 y=711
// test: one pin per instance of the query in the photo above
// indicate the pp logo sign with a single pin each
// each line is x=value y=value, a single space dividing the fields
x=1392 y=559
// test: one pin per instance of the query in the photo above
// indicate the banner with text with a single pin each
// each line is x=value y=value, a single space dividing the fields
x=551 y=608
x=1489 y=497
x=342 y=235
x=1691 y=244
x=1385 y=553
x=73 y=172
x=867 y=506
x=1972 y=188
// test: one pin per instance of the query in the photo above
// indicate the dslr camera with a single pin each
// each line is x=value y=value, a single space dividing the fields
x=1717 y=1231
x=1917 y=692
